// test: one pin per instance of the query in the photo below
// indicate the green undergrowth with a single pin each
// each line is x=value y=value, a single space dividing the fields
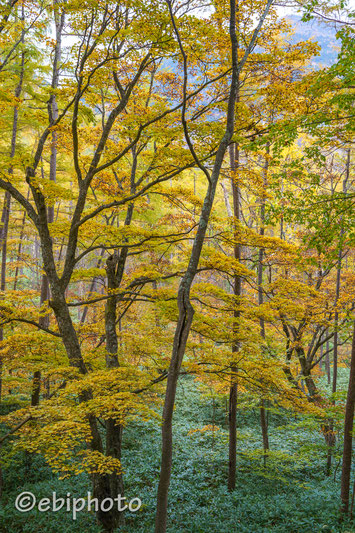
x=291 y=494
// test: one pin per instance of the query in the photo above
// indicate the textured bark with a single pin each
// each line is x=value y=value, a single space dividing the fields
x=348 y=434
x=264 y=430
x=113 y=429
x=336 y=322
x=101 y=483
x=327 y=362
x=263 y=418
x=185 y=308
x=115 y=266
x=237 y=291
x=19 y=250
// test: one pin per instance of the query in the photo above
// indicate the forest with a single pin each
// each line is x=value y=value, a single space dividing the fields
x=177 y=283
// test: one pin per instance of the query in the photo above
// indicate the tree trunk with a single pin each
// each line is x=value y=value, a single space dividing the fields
x=264 y=430
x=185 y=308
x=19 y=250
x=101 y=482
x=237 y=290
x=327 y=363
x=114 y=268
x=336 y=322
x=263 y=419
x=348 y=434
x=7 y=201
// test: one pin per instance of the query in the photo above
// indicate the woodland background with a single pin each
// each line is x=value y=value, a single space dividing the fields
x=177 y=229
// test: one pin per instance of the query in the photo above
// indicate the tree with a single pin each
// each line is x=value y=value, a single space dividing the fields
x=348 y=434
x=185 y=308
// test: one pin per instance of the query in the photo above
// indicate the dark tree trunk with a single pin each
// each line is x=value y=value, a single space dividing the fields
x=114 y=268
x=232 y=420
x=101 y=483
x=7 y=200
x=237 y=290
x=321 y=354
x=348 y=434
x=327 y=363
x=263 y=418
x=19 y=250
x=185 y=308
x=336 y=322
x=92 y=288
x=44 y=322
x=264 y=430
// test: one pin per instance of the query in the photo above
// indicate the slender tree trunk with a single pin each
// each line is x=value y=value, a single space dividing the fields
x=2 y=287
x=185 y=308
x=226 y=198
x=115 y=266
x=264 y=430
x=348 y=434
x=263 y=418
x=7 y=200
x=336 y=320
x=232 y=420
x=327 y=363
x=92 y=288
x=237 y=289
x=332 y=438
x=44 y=320
x=113 y=428
x=19 y=250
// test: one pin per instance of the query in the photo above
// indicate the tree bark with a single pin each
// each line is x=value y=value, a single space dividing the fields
x=336 y=321
x=264 y=430
x=113 y=428
x=237 y=290
x=327 y=362
x=185 y=308
x=348 y=434
x=263 y=418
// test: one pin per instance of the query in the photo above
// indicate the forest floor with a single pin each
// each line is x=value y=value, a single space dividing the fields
x=291 y=494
